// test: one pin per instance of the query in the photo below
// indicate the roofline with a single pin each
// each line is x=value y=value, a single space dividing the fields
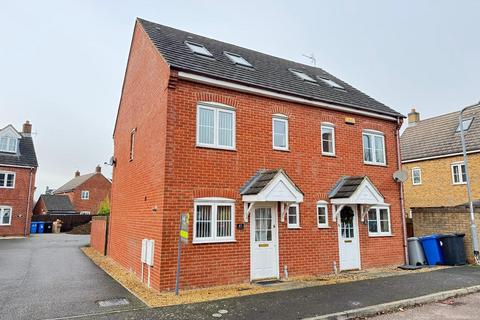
x=272 y=94
x=15 y=166
x=447 y=155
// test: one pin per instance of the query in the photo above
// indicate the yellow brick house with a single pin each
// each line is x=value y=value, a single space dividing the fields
x=431 y=153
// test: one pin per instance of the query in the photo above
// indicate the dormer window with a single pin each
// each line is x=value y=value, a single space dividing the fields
x=8 y=144
x=237 y=59
x=303 y=76
x=198 y=49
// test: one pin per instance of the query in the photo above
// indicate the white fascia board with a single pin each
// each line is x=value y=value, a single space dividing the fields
x=266 y=93
x=14 y=166
x=440 y=156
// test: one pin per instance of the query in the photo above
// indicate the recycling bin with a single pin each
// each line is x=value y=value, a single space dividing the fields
x=40 y=226
x=453 y=249
x=416 y=256
x=47 y=227
x=33 y=227
x=432 y=250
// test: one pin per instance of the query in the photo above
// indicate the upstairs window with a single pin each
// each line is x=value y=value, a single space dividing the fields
x=214 y=220
x=7 y=180
x=459 y=173
x=331 y=83
x=293 y=217
x=280 y=132
x=237 y=59
x=374 y=148
x=466 y=125
x=5 y=216
x=215 y=126
x=8 y=144
x=132 y=143
x=328 y=139
x=379 y=222
x=198 y=49
x=302 y=75
x=85 y=195
x=416 y=176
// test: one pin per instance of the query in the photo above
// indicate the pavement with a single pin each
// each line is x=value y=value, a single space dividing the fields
x=48 y=276
x=464 y=308
x=314 y=302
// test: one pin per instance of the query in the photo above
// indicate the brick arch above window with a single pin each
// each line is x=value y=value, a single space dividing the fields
x=277 y=109
x=215 y=192
x=218 y=98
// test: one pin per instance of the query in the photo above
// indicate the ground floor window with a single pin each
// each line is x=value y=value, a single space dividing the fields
x=5 y=216
x=379 y=221
x=213 y=220
x=322 y=214
x=293 y=216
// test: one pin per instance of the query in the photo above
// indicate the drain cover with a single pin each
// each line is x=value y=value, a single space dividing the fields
x=113 y=302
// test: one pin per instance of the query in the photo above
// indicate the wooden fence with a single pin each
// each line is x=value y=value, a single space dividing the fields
x=69 y=220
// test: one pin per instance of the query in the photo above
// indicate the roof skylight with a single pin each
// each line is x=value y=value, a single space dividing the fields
x=302 y=75
x=331 y=83
x=198 y=49
x=466 y=125
x=237 y=59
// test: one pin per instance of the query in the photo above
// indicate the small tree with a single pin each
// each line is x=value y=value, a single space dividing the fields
x=104 y=209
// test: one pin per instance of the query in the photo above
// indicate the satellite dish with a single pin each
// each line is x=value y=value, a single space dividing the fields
x=400 y=175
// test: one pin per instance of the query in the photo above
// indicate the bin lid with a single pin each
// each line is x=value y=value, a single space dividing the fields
x=412 y=239
x=429 y=237
x=447 y=235
x=460 y=234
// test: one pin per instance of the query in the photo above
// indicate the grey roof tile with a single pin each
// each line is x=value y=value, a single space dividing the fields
x=345 y=187
x=261 y=179
x=25 y=156
x=57 y=203
x=268 y=72
x=437 y=136
x=74 y=183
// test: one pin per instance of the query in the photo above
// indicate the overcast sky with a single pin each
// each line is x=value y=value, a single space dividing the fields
x=62 y=62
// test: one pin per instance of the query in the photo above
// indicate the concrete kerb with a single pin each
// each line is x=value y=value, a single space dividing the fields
x=375 y=309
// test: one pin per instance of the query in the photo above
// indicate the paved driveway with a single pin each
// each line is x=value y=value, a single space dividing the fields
x=47 y=276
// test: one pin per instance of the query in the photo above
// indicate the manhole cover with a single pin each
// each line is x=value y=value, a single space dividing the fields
x=113 y=302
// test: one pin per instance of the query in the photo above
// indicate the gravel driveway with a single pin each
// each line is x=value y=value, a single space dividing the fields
x=48 y=276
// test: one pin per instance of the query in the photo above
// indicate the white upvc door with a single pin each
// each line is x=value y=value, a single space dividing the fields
x=264 y=243
x=348 y=239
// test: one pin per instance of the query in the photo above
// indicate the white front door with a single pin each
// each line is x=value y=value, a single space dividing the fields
x=348 y=240
x=264 y=243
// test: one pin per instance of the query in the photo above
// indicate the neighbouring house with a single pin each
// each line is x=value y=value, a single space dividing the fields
x=53 y=204
x=18 y=167
x=283 y=167
x=87 y=191
x=432 y=156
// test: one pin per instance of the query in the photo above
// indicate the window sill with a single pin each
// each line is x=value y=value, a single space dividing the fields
x=380 y=235
x=459 y=184
x=323 y=227
x=212 y=241
x=331 y=155
x=280 y=149
x=7 y=187
x=294 y=228
x=416 y=184
x=375 y=164
x=5 y=225
x=215 y=148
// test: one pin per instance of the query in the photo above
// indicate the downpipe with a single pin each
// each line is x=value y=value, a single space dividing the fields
x=402 y=205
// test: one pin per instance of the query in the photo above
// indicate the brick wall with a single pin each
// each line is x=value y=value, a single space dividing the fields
x=98 y=233
x=18 y=199
x=437 y=188
x=99 y=188
x=445 y=220
x=169 y=171
x=40 y=207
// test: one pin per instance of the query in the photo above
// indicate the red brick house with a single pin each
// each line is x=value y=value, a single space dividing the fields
x=54 y=204
x=18 y=166
x=284 y=168
x=85 y=192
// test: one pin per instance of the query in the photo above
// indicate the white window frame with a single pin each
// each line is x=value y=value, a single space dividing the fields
x=280 y=118
x=241 y=61
x=14 y=179
x=9 y=138
x=379 y=233
x=193 y=47
x=373 y=134
x=132 y=143
x=419 y=176
x=1 y=215
x=297 y=214
x=328 y=126
x=216 y=108
x=460 y=173
x=322 y=204
x=85 y=192
x=85 y=212
x=214 y=202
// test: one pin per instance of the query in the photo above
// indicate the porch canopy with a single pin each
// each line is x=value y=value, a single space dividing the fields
x=354 y=190
x=270 y=186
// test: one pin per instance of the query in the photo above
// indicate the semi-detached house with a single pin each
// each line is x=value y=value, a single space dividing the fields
x=283 y=167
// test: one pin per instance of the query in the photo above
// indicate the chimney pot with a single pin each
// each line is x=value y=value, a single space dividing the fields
x=413 y=118
x=77 y=173
x=27 y=128
x=98 y=169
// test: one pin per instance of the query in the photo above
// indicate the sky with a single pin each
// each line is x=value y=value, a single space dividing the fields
x=62 y=62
